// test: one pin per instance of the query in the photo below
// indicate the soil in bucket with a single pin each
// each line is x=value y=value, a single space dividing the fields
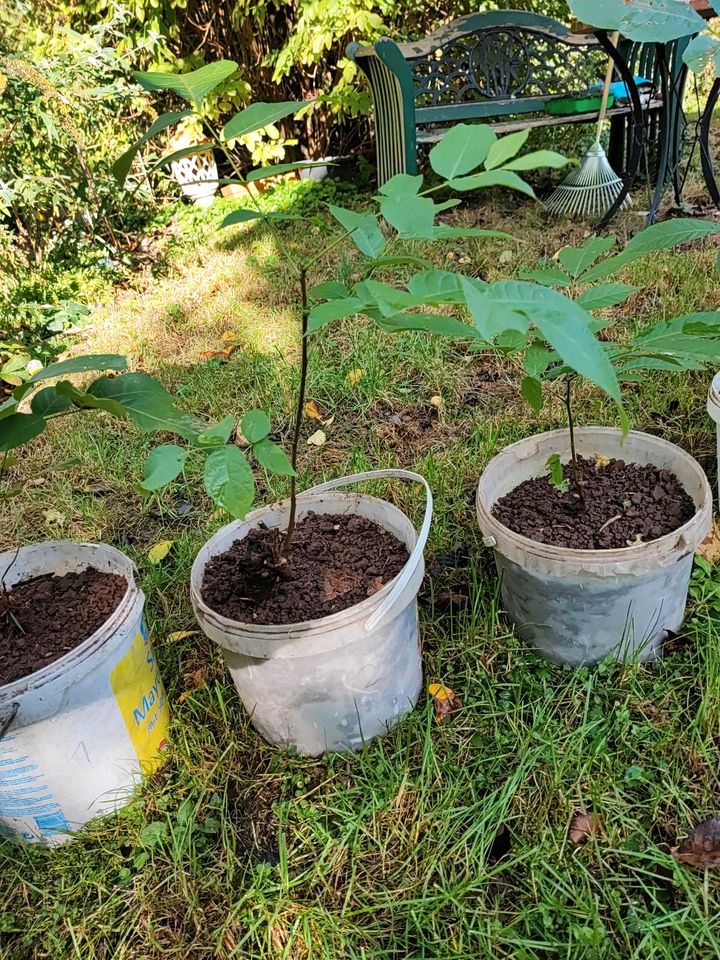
x=334 y=562
x=624 y=504
x=44 y=618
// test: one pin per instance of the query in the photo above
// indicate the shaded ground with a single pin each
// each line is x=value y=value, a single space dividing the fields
x=441 y=841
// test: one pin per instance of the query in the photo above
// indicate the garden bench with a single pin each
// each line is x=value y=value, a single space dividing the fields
x=502 y=68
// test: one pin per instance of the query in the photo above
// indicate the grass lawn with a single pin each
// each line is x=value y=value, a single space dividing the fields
x=441 y=840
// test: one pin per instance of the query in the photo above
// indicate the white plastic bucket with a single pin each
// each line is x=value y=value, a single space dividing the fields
x=76 y=735
x=713 y=408
x=578 y=606
x=334 y=683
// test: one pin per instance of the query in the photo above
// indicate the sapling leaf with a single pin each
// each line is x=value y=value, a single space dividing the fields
x=87 y=401
x=121 y=167
x=49 y=403
x=91 y=363
x=555 y=470
x=272 y=457
x=537 y=359
x=546 y=276
x=462 y=149
x=435 y=287
x=492 y=178
x=279 y=168
x=605 y=295
x=432 y=323
x=163 y=465
x=577 y=259
x=324 y=313
x=148 y=404
x=18 y=428
x=229 y=480
x=255 y=426
x=645 y=21
x=218 y=434
x=193 y=86
x=536 y=160
x=328 y=290
x=363 y=228
x=531 y=390
x=505 y=148
x=260 y=115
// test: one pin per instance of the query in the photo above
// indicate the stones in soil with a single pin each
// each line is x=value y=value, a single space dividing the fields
x=625 y=504
x=334 y=562
x=48 y=616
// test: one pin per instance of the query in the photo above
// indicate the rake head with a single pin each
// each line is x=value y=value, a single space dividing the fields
x=590 y=190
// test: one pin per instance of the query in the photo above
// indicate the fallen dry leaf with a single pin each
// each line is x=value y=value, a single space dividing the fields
x=701 y=848
x=582 y=826
x=376 y=585
x=317 y=439
x=181 y=635
x=445 y=700
x=337 y=583
x=355 y=375
x=197 y=681
x=160 y=551
x=710 y=547
x=54 y=516
x=601 y=461
x=313 y=411
x=436 y=401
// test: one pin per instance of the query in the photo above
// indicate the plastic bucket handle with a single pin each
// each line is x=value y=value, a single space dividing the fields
x=419 y=547
x=7 y=721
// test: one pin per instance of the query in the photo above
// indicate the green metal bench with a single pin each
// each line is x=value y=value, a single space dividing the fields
x=499 y=67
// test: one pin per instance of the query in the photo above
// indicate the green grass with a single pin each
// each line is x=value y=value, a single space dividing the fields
x=441 y=840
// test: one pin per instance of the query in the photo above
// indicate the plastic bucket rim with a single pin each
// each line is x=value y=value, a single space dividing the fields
x=600 y=557
x=300 y=627
x=713 y=399
x=48 y=673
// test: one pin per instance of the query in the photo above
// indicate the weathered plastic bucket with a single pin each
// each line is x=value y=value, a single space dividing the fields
x=76 y=735
x=579 y=606
x=334 y=683
x=713 y=408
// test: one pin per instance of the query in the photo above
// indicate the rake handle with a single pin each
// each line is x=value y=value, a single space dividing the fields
x=606 y=87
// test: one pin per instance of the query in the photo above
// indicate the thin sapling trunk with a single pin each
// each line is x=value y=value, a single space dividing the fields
x=577 y=476
x=298 y=414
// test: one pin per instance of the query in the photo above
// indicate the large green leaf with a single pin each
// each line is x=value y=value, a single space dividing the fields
x=18 y=428
x=565 y=326
x=272 y=457
x=659 y=236
x=440 y=325
x=90 y=363
x=492 y=178
x=148 y=404
x=604 y=295
x=701 y=52
x=324 y=313
x=193 y=86
x=434 y=287
x=536 y=160
x=531 y=390
x=492 y=317
x=229 y=480
x=645 y=21
x=218 y=433
x=577 y=259
x=162 y=466
x=363 y=228
x=121 y=167
x=49 y=403
x=255 y=425
x=462 y=149
x=260 y=115
x=547 y=276
x=88 y=401
x=505 y=148
x=262 y=172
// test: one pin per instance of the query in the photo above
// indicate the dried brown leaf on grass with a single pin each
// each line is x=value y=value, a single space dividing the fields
x=701 y=848
x=583 y=825
x=445 y=701
x=710 y=547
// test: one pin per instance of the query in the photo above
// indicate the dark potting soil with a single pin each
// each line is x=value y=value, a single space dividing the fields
x=43 y=618
x=334 y=562
x=625 y=504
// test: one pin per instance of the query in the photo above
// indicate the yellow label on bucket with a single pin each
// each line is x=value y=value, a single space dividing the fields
x=140 y=694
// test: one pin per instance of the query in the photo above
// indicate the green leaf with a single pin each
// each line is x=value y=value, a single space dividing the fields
x=324 y=313
x=18 y=428
x=91 y=363
x=193 y=86
x=555 y=469
x=505 y=148
x=659 y=236
x=435 y=287
x=218 y=434
x=577 y=259
x=180 y=154
x=148 y=404
x=272 y=457
x=462 y=149
x=547 y=276
x=121 y=167
x=536 y=160
x=87 y=401
x=162 y=466
x=491 y=317
x=431 y=323
x=363 y=228
x=531 y=390
x=262 y=172
x=701 y=52
x=328 y=290
x=260 y=115
x=645 y=21
x=492 y=178
x=604 y=295
x=410 y=216
x=255 y=426
x=240 y=216
x=566 y=328
x=49 y=403
x=537 y=359
x=229 y=480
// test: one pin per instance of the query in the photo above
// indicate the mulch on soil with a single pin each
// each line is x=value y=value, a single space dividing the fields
x=44 y=618
x=625 y=504
x=335 y=561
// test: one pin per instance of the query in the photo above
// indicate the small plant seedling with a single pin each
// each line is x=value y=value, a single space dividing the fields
x=555 y=472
